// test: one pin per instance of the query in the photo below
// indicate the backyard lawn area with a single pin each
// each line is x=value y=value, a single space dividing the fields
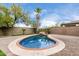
x=2 y=53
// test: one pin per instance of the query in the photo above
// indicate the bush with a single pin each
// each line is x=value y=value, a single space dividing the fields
x=2 y=53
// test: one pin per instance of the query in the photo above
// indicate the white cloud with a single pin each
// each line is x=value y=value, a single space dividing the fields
x=47 y=23
x=63 y=14
x=68 y=12
x=75 y=17
x=50 y=20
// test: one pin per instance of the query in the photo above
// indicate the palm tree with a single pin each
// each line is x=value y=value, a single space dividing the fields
x=38 y=11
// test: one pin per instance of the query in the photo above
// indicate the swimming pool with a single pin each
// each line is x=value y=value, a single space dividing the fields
x=37 y=41
x=36 y=45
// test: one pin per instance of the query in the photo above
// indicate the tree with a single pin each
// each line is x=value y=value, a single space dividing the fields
x=38 y=11
x=9 y=16
x=5 y=18
x=26 y=18
x=16 y=11
x=1 y=19
x=6 y=21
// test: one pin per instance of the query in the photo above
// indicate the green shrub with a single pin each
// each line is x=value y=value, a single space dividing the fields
x=2 y=53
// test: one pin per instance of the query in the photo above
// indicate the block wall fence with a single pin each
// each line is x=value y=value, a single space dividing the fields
x=65 y=30
x=16 y=31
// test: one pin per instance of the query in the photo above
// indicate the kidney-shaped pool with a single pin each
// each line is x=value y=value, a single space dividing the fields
x=37 y=41
x=36 y=45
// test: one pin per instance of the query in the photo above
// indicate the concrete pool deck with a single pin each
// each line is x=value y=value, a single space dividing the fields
x=19 y=50
x=71 y=42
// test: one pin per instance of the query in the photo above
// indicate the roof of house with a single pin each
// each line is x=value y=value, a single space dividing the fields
x=20 y=23
x=72 y=22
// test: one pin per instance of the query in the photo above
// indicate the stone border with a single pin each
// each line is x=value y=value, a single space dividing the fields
x=15 y=49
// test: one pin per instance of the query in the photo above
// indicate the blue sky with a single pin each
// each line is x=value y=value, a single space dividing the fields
x=52 y=13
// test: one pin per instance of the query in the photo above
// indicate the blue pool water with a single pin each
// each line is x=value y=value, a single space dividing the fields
x=37 y=41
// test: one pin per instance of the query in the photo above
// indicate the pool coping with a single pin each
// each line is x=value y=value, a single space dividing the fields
x=18 y=50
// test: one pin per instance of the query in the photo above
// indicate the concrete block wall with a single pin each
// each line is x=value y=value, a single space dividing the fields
x=17 y=31
x=65 y=30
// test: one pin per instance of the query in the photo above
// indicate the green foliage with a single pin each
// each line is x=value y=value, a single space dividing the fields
x=38 y=10
x=16 y=10
x=33 y=24
x=1 y=19
x=6 y=20
x=4 y=9
x=23 y=30
x=2 y=53
x=26 y=18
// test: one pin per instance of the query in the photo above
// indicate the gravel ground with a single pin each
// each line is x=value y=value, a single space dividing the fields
x=71 y=42
x=72 y=45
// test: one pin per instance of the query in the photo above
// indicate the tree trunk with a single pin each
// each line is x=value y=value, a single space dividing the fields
x=37 y=24
x=14 y=20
